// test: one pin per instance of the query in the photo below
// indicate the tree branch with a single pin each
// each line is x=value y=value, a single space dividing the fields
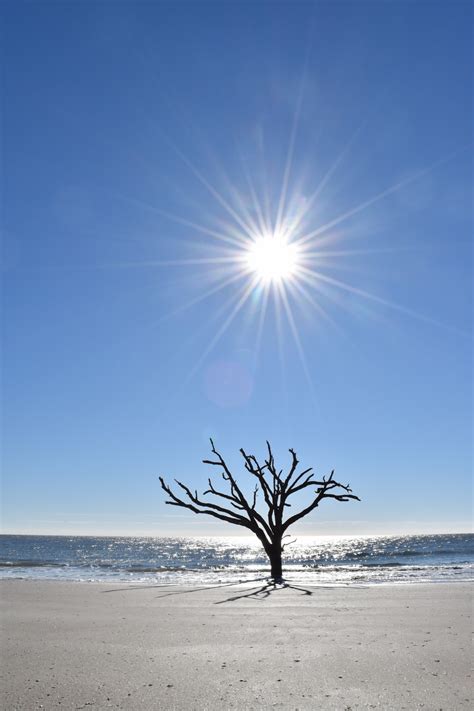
x=229 y=518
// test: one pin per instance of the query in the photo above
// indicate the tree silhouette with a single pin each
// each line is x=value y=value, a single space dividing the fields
x=275 y=489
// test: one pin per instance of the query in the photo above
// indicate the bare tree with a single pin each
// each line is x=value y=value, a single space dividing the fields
x=274 y=487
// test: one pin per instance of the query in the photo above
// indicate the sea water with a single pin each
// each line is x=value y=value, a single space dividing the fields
x=324 y=560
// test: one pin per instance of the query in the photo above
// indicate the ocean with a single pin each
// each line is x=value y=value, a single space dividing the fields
x=323 y=560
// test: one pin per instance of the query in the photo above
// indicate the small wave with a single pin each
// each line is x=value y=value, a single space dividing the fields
x=31 y=564
x=433 y=552
x=382 y=565
x=164 y=569
x=355 y=555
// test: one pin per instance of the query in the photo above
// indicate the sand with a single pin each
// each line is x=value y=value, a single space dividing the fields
x=101 y=646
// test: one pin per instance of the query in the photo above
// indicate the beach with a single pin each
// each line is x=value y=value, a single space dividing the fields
x=236 y=646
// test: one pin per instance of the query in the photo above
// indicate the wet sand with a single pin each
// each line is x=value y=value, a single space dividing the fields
x=105 y=646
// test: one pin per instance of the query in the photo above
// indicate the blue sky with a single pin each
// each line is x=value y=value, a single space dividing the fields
x=141 y=142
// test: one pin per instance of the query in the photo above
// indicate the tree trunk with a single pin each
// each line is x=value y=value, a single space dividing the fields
x=274 y=553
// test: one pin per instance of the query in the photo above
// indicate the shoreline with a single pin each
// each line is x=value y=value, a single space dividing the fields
x=235 y=646
x=242 y=582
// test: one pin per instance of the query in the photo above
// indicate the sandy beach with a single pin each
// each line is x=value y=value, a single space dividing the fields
x=101 y=646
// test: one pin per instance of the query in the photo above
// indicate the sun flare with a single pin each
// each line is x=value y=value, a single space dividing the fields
x=274 y=249
x=272 y=258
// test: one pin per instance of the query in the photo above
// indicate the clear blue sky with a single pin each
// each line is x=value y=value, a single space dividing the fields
x=136 y=136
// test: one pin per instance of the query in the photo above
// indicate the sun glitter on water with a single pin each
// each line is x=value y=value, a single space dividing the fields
x=272 y=258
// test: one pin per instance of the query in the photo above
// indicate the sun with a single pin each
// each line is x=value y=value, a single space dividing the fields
x=272 y=258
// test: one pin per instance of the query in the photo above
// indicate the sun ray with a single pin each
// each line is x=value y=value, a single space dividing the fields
x=291 y=148
x=263 y=224
x=154 y=263
x=329 y=173
x=182 y=220
x=317 y=254
x=240 y=239
x=260 y=325
x=321 y=287
x=194 y=127
x=281 y=342
x=298 y=286
x=296 y=336
x=202 y=297
x=329 y=238
x=223 y=328
x=241 y=204
x=212 y=190
x=373 y=297
x=376 y=198
x=293 y=132
x=266 y=201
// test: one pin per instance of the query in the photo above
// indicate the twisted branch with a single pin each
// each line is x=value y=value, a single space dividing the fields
x=275 y=490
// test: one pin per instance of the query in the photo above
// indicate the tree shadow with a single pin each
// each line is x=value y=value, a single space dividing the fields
x=183 y=592
x=269 y=587
x=209 y=587
x=263 y=592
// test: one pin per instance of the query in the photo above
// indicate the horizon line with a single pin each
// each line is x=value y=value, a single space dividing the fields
x=249 y=535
